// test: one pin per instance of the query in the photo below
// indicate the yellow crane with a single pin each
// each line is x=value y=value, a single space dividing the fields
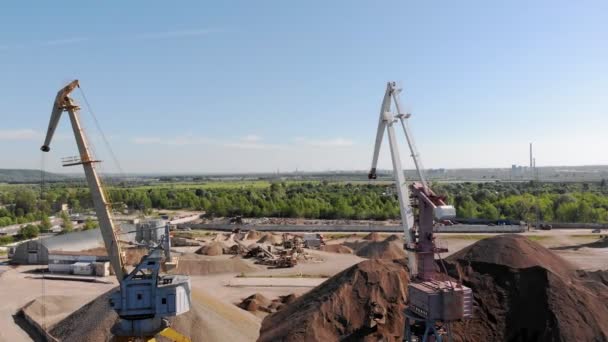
x=145 y=297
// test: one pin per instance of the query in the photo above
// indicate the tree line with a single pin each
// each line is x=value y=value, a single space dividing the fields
x=551 y=202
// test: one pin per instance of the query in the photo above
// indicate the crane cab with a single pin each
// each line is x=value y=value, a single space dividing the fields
x=145 y=296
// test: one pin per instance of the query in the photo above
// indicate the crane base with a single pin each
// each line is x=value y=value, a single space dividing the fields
x=147 y=327
x=130 y=331
x=419 y=329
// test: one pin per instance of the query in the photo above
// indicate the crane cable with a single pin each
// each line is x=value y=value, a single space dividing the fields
x=42 y=187
x=109 y=148
x=103 y=136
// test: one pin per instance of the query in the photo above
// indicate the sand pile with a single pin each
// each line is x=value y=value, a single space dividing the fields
x=213 y=248
x=133 y=255
x=373 y=237
x=382 y=250
x=254 y=302
x=524 y=292
x=91 y=322
x=208 y=320
x=253 y=235
x=339 y=308
x=184 y=242
x=50 y=309
x=221 y=237
x=192 y=264
x=336 y=249
x=394 y=237
x=270 y=238
x=259 y=305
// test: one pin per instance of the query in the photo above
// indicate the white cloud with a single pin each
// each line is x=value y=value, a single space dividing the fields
x=66 y=41
x=174 y=141
x=146 y=141
x=335 y=142
x=19 y=134
x=126 y=37
x=251 y=138
x=251 y=142
x=254 y=145
x=175 y=34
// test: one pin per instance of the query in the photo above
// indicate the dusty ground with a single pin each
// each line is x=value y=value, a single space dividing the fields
x=234 y=287
x=19 y=288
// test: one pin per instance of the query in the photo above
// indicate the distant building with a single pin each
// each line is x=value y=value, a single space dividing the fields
x=150 y=231
x=517 y=171
x=63 y=262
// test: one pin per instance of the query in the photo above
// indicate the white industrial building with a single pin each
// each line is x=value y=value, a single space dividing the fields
x=37 y=252
x=81 y=263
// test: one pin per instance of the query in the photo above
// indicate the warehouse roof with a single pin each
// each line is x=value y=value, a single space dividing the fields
x=78 y=241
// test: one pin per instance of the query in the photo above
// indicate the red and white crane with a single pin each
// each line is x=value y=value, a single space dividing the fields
x=434 y=300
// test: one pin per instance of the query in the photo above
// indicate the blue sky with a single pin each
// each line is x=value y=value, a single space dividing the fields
x=238 y=86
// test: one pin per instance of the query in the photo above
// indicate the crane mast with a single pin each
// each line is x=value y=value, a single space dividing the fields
x=63 y=102
x=431 y=298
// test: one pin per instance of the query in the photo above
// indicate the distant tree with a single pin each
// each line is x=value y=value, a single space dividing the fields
x=30 y=231
x=25 y=201
x=488 y=211
x=90 y=224
x=5 y=240
x=45 y=224
x=19 y=212
x=67 y=223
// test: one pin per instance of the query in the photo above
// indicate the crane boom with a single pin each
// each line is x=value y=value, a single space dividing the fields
x=63 y=102
x=386 y=104
x=408 y=135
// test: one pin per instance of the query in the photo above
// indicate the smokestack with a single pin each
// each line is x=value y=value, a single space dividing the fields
x=531 y=159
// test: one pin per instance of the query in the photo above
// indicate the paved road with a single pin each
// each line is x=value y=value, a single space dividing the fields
x=457 y=228
x=14 y=229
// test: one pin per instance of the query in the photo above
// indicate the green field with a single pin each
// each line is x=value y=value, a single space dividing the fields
x=213 y=185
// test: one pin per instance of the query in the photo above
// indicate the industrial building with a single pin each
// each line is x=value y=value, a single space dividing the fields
x=149 y=231
x=83 y=263
x=37 y=252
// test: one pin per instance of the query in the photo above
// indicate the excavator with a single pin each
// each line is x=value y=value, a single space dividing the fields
x=434 y=301
x=145 y=298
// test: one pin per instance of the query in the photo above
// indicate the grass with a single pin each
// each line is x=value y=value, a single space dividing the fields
x=586 y=236
x=193 y=233
x=243 y=275
x=210 y=185
x=537 y=237
x=333 y=236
